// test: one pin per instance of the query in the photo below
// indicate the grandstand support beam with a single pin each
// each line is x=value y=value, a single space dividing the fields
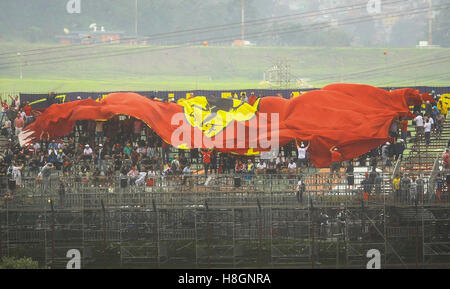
x=384 y=224
x=363 y=230
x=311 y=214
x=196 y=237
x=208 y=233
x=1 y=239
x=104 y=232
x=52 y=232
x=155 y=211
x=396 y=168
x=385 y=240
x=417 y=234
x=259 y=233
x=434 y=172
x=423 y=237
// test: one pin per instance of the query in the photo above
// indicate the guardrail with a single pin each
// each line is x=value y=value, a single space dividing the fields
x=218 y=190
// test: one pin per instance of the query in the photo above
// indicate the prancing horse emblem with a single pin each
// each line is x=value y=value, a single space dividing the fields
x=213 y=114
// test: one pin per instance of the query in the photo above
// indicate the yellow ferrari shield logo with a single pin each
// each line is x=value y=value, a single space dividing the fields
x=214 y=114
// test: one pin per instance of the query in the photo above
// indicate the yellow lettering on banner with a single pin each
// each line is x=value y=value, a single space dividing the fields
x=63 y=96
x=171 y=97
x=226 y=94
x=295 y=94
x=251 y=152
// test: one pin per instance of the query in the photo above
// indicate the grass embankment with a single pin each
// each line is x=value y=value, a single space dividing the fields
x=88 y=68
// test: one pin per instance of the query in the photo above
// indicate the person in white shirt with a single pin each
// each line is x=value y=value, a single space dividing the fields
x=142 y=150
x=280 y=163
x=151 y=151
x=419 y=126
x=301 y=187
x=36 y=148
x=301 y=154
x=141 y=178
x=8 y=126
x=133 y=175
x=261 y=167
x=292 y=167
x=87 y=152
x=17 y=174
x=432 y=123
x=427 y=129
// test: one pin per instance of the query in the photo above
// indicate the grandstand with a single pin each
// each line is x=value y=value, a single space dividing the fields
x=233 y=221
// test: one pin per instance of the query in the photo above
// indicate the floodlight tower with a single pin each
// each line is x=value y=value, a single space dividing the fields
x=136 y=18
x=430 y=22
x=19 y=55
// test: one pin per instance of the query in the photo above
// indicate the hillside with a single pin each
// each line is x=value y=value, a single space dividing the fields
x=92 y=68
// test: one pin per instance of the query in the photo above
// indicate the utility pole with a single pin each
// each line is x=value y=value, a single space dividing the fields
x=243 y=21
x=430 y=22
x=136 y=19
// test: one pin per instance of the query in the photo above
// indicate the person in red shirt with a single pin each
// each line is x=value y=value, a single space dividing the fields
x=446 y=159
x=404 y=128
x=336 y=159
x=28 y=116
x=252 y=98
x=4 y=109
x=207 y=161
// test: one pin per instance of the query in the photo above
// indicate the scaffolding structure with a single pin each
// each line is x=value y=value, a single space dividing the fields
x=257 y=225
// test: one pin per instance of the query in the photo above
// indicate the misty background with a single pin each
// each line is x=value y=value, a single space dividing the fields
x=116 y=45
x=402 y=26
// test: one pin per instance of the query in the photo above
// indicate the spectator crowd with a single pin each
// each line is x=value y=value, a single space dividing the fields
x=97 y=151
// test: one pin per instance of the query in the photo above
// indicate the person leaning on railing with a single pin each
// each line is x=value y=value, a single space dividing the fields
x=249 y=168
x=239 y=167
x=187 y=174
x=446 y=159
x=261 y=167
x=44 y=175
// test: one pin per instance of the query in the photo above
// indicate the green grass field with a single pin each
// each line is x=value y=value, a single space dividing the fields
x=88 y=68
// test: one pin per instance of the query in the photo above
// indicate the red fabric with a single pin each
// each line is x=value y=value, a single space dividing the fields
x=206 y=157
x=252 y=99
x=355 y=118
x=404 y=125
x=336 y=156
x=27 y=110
